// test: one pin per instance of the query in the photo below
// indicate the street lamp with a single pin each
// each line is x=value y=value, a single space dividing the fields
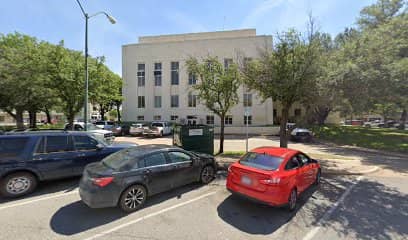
x=87 y=16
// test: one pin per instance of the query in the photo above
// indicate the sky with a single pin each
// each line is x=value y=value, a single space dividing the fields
x=56 y=20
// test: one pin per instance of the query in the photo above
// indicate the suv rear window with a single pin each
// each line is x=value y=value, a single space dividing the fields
x=261 y=161
x=12 y=147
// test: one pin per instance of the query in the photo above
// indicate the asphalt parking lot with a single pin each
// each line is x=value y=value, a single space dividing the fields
x=198 y=211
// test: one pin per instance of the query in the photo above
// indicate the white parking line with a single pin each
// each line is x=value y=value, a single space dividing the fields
x=149 y=216
x=37 y=200
x=328 y=214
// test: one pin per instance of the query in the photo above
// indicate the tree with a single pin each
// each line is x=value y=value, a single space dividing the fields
x=286 y=74
x=379 y=13
x=217 y=87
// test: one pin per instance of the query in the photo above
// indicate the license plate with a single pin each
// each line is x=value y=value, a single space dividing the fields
x=246 y=180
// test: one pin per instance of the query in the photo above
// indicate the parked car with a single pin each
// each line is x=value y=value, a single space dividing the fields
x=375 y=123
x=157 y=129
x=127 y=178
x=101 y=134
x=117 y=130
x=301 y=135
x=107 y=125
x=274 y=176
x=137 y=129
x=29 y=157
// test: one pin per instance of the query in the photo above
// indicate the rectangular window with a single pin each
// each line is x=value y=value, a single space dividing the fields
x=174 y=73
x=59 y=144
x=247 y=100
x=192 y=100
x=174 y=101
x=141 y=101
x=155 y=160
x=173 y=117
x=157 y=117
x=157 y=102
x=249 y=119
x=192 y=79
x=157 y=74
x=140 y=118
x=85 y=143
x=228 y=120
x=210 y=119
x=11 y=148
x=140 y=74
x=227 y=62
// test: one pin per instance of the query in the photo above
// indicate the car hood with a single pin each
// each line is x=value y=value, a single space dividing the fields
x=100 y=131
x=202 y=155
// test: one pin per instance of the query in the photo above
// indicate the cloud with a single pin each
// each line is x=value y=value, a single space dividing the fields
x=259 y=11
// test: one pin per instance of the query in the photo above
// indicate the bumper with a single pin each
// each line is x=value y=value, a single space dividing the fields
x=270 y=197
x=95 y=197
x=156 y=134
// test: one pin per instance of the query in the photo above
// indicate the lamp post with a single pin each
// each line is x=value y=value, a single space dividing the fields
x=87 y=17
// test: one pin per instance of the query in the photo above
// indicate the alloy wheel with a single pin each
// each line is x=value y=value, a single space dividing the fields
x=207 y=174
x=18 y=185
x=135 y=197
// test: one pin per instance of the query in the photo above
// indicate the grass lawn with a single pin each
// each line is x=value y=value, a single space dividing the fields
x=375 y=138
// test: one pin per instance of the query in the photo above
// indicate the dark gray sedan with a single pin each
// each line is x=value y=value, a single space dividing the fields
x=128 y=177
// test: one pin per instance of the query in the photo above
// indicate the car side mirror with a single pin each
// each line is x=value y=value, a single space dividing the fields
x=99 y=146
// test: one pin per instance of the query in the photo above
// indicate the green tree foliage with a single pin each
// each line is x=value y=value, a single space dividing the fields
x=286 y=74
x=217 y=87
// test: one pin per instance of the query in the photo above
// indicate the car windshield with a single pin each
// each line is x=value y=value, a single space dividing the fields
x=100 y=123
x=261 y=161
x=119 y=159
x=157 y=124
x=91 y=127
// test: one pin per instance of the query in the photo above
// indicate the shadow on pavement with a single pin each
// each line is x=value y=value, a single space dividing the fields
x=78 y=217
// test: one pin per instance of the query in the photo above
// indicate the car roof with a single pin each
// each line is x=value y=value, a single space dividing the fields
x=276 y=151
x=45 y=132
x=142 y=150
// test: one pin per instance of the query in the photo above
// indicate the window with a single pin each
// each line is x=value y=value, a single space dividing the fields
x=173 y=117
x=174 y=101
x=2 y=118
x=210 y=119
x=140 y=118
x=227 y=63
x=192 y=100
x=261 y=161
x=157 y=74
x=85 y=143
x=191 y=120
x=155 y=160
x=298 y=112
x=174 y=73
x=228 y=120
x=59 y=144
x=247 y=100
x=292 y=163
x=275 y=113
x=141 y=101
x=249 y=119
x=157 y=102
x=303 y=159
x=157 y=117
x=12 y=147
x=41 y=146
x=192 y=79
x=140 y=74
x=176 y=157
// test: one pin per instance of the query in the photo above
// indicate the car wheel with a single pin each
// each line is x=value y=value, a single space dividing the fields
x=133 y=198
x=207 y=174
x=161 y=134
x=292 y=200
x=318 y=175
x=18 y=184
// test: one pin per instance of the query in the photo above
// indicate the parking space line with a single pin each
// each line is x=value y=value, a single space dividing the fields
x=329 y=212
x=37 y=200
x=149 y=216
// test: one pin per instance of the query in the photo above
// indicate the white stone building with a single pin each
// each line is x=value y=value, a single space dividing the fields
x=157 y=85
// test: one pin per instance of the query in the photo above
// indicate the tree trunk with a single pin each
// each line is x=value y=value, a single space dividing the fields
x=19 y=119
x=118 y=112
x=221 y=150
x=70 y=119
x=403 y=119
x=33 y=119
x=321 y=114
x=47 y=112
x=102 y=112
x=283 y=134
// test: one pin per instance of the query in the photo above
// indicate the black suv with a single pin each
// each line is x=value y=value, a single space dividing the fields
x=29 y=157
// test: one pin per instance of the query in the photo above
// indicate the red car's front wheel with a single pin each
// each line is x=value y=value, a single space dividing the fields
x=292 y=200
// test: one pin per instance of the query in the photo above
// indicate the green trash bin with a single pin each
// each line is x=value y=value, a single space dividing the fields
x=198 y=138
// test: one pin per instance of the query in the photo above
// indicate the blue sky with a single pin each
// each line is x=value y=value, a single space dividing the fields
x=54 y=20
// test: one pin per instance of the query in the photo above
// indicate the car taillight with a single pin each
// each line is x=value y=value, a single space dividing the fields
x=102 y=182
x=270 y=181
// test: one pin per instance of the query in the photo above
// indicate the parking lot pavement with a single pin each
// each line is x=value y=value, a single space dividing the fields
x=191 y=212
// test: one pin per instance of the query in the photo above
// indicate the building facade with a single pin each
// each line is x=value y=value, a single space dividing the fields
x=157 y=85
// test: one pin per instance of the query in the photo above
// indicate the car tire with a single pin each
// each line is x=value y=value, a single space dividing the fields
x=292 y=201
x=207 y=174
x=317 y=179
x=18 y=184
x=133 y=198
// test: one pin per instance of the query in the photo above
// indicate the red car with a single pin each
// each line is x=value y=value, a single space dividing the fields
x=271 y=175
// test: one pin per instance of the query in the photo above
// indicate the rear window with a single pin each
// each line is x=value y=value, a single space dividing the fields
x=157 y=124
x=119 y=159
x=100 y=123
x=12 y=147
x=261 y=161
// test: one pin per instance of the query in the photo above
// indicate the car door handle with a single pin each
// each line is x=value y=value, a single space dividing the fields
x=81 y=154
x=147 y=171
